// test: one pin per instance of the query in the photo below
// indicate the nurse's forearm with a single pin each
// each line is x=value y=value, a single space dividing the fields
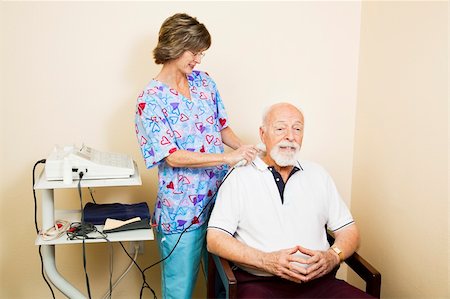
x=183 y=158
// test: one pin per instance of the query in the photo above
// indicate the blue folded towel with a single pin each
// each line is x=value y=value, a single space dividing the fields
x=97 y=213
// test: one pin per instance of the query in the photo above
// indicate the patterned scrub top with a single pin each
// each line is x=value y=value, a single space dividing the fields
x=167 y=121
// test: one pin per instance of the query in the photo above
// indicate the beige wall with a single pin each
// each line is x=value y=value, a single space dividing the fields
x=71 y=72
x=400 y=174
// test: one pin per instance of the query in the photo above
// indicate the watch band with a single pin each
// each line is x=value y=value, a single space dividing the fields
x=338 y=252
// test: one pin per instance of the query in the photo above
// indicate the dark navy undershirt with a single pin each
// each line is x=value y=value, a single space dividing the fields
x=279 y=180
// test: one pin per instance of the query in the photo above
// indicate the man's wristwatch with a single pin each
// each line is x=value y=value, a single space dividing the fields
x=338 y=252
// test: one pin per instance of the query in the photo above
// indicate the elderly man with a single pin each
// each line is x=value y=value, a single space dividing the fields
x=271 y=216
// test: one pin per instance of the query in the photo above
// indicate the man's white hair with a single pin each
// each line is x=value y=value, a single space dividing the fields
x=268 y=109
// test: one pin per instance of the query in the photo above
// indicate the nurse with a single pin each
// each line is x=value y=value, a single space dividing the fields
x=181 y=127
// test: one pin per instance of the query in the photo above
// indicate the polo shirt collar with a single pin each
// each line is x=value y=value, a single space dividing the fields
x=261 y=165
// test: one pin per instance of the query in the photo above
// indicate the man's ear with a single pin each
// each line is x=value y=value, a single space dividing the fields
x=261 y=134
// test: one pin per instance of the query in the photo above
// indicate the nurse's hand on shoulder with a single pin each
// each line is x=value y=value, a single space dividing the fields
x=245 y=153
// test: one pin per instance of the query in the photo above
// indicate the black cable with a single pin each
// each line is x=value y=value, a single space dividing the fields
x=145 y=285
x=110 y=246
x=84 y=234
x=37 y=228
x=92 y=196
x=111 y=255
x=77 y=231
x=34 y=193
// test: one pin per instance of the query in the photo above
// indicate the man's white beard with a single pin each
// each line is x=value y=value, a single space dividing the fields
x=285 y=159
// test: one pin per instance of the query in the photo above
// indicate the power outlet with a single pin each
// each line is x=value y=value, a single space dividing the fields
x=133 y=245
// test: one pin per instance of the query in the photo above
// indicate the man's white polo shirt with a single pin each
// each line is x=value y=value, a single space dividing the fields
x=249 y=207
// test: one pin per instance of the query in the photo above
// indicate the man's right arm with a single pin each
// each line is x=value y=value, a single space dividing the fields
x=276 y=263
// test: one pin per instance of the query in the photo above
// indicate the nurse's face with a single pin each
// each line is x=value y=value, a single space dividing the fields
x=188 y=60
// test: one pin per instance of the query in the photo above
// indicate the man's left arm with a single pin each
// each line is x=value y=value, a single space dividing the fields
x=347 y=241
x=323 y=262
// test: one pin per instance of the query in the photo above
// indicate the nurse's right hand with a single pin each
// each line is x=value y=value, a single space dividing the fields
x=246 y=153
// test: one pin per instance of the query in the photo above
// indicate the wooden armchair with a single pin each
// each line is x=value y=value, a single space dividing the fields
x=220 y=273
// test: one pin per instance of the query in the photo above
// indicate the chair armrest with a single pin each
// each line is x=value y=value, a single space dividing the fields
x=364 y=269
x=224 y=270
x=222 y=267
x=367 y=272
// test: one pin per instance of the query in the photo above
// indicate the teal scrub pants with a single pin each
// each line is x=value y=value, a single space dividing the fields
x=180 y=270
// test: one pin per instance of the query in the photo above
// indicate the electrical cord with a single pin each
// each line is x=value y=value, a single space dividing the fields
x=55 y=231
x=111 y=254
x=92 y=196
x=34 y=192
x=79 y=231
x=113 y=286
x=84 y=234
x=145 y=285
x=36 y=225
